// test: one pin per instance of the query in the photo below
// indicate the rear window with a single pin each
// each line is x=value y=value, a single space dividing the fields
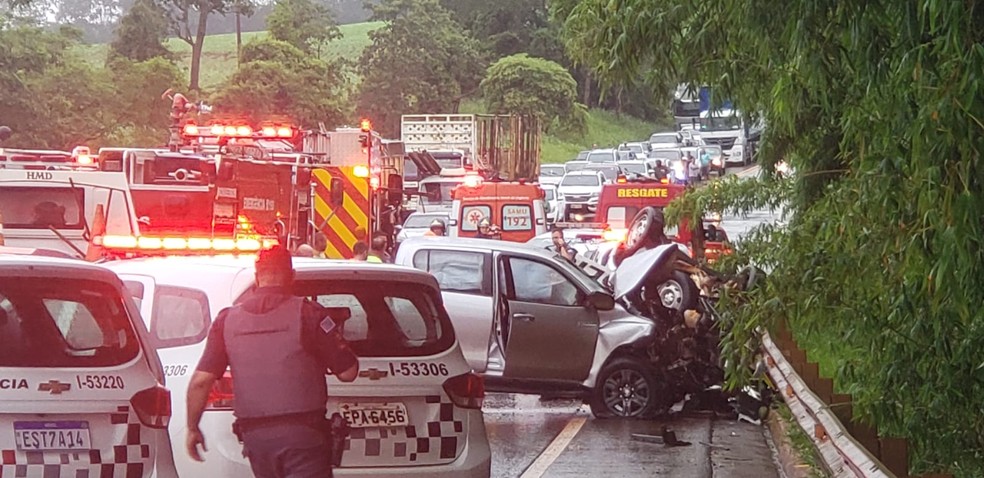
x=39 y=208
x=516 y=217
x=552 y=171
x=385 y=318
x=601 y=157
x=50 y=322
x=574 y=166
x=420 y=221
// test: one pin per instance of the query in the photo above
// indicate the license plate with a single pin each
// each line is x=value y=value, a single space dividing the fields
x=364 y=415
x=36 y=436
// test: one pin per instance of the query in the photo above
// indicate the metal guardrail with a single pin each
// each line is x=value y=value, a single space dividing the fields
x=846 y=448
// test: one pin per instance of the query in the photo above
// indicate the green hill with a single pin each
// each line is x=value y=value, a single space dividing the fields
x=219 y=54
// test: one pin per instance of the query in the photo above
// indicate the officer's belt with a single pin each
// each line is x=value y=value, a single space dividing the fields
x=316 y=419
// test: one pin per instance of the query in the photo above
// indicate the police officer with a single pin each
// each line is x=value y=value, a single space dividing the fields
x=278 y=347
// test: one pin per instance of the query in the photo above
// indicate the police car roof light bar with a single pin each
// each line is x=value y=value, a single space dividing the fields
x=205 y=245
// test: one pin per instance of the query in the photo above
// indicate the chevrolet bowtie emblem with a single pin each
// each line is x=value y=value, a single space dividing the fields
x=54 y=386
x=373 y=374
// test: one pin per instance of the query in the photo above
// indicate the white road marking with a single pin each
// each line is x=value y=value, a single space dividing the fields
x=554 y=449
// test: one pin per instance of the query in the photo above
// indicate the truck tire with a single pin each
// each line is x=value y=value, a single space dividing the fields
x=679 y=292
x=626 y=388
x=640 y=231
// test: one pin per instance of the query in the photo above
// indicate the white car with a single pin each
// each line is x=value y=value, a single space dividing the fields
x=602 y=156
x=81 y=387
x=580 y=190
x=632 y=151
x=418 y=223
x=669 y=139
x=552 y=173
x=409 y=358
x=553 y=201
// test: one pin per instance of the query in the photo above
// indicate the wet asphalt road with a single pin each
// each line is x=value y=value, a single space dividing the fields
x=559 y=438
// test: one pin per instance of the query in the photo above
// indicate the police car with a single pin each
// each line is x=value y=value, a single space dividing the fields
x=81 y=390
x=415 y=408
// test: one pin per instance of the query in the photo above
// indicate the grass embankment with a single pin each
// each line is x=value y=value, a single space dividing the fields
x=219 y=53
x=605 y=129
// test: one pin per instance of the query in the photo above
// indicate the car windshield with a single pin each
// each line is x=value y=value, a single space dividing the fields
x=574 y=166
x=421 y=221
x=438 y=193
x=552 y=171
x=54 y=322
x=635 y=148
x=610 y=172
x=601 y=157
x=635 y=168
x=383 y=318
x=665 y=154
x=663 y=138
x=583 y=155
x=720 y=123
x=580 y=180
x=449 y=159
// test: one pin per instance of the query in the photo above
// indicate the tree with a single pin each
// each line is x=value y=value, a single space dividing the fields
x=142 y=32
x=278 y=79
x=303 y=23
x=879 y=112
x=508 y=27
x=141 y=116
x=534 y=86
x=420 y=62
x=188 y=20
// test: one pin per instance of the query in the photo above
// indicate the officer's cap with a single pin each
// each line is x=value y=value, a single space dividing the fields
x=437 y=223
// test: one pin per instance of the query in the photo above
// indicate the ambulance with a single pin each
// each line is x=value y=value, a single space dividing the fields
x=518 y=209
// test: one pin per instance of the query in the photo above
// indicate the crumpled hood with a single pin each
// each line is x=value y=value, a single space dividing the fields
x=629 y=275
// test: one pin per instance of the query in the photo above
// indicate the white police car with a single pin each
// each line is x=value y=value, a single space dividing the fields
x=81 y=391
x=415 y=407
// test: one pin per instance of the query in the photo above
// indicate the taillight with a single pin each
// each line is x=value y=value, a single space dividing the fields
x=153 y=406
x=221 y=397
x=466 y=391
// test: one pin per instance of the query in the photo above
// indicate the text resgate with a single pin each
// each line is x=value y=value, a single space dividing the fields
x=643 y=193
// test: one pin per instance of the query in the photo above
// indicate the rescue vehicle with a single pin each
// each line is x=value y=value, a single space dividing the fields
x=517 y=208
x=621 y=201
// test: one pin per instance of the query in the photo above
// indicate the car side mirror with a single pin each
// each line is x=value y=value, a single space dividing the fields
x=600 y=301
x=336 y=196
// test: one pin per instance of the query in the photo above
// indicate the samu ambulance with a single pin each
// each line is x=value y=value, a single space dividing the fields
x=518 y=209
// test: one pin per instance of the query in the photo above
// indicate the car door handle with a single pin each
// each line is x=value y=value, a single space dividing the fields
x=524 y=317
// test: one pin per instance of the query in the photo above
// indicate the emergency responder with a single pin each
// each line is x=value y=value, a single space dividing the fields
x=486 y=231
x=279 y=347
x=360 y=252
x=377 y=248
x=437 y=228
x=320 y=245
x=560 y=245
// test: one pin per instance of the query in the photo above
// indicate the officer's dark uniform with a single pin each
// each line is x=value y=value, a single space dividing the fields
x=278 y=353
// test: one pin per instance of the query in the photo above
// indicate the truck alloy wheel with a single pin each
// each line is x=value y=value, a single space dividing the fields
x=626 y=388
x=679 y=292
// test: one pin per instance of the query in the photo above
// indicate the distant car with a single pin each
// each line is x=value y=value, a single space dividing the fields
x=633 y=150
x=575 y=165
x=666 y=154
x=418 y=223
x=552 y=173
x=580 y=190
x=611 y=171
x=554 y=203
x=603 y=156
x=415 y=391
x=583 y=155
x=665 y=140
x=81 y=389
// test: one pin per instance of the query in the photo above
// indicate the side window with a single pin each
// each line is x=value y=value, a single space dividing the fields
x=516 y=217
x=181 y=316
x=472 y=215
x=540 y=283
x=457 y=271
x=356 y=327
x=619 y=217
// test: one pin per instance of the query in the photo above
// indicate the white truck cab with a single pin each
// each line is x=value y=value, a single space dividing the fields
x=56 y=208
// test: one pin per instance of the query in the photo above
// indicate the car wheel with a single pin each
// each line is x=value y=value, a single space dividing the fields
x=678 y=293
x=626 y=388
x=639 y=233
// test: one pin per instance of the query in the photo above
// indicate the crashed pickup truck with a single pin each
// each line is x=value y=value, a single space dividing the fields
x=532 y=322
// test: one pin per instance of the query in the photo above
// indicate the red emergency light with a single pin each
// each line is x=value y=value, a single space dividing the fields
x=239 y=130
x=365 y=125
x=183 y=245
